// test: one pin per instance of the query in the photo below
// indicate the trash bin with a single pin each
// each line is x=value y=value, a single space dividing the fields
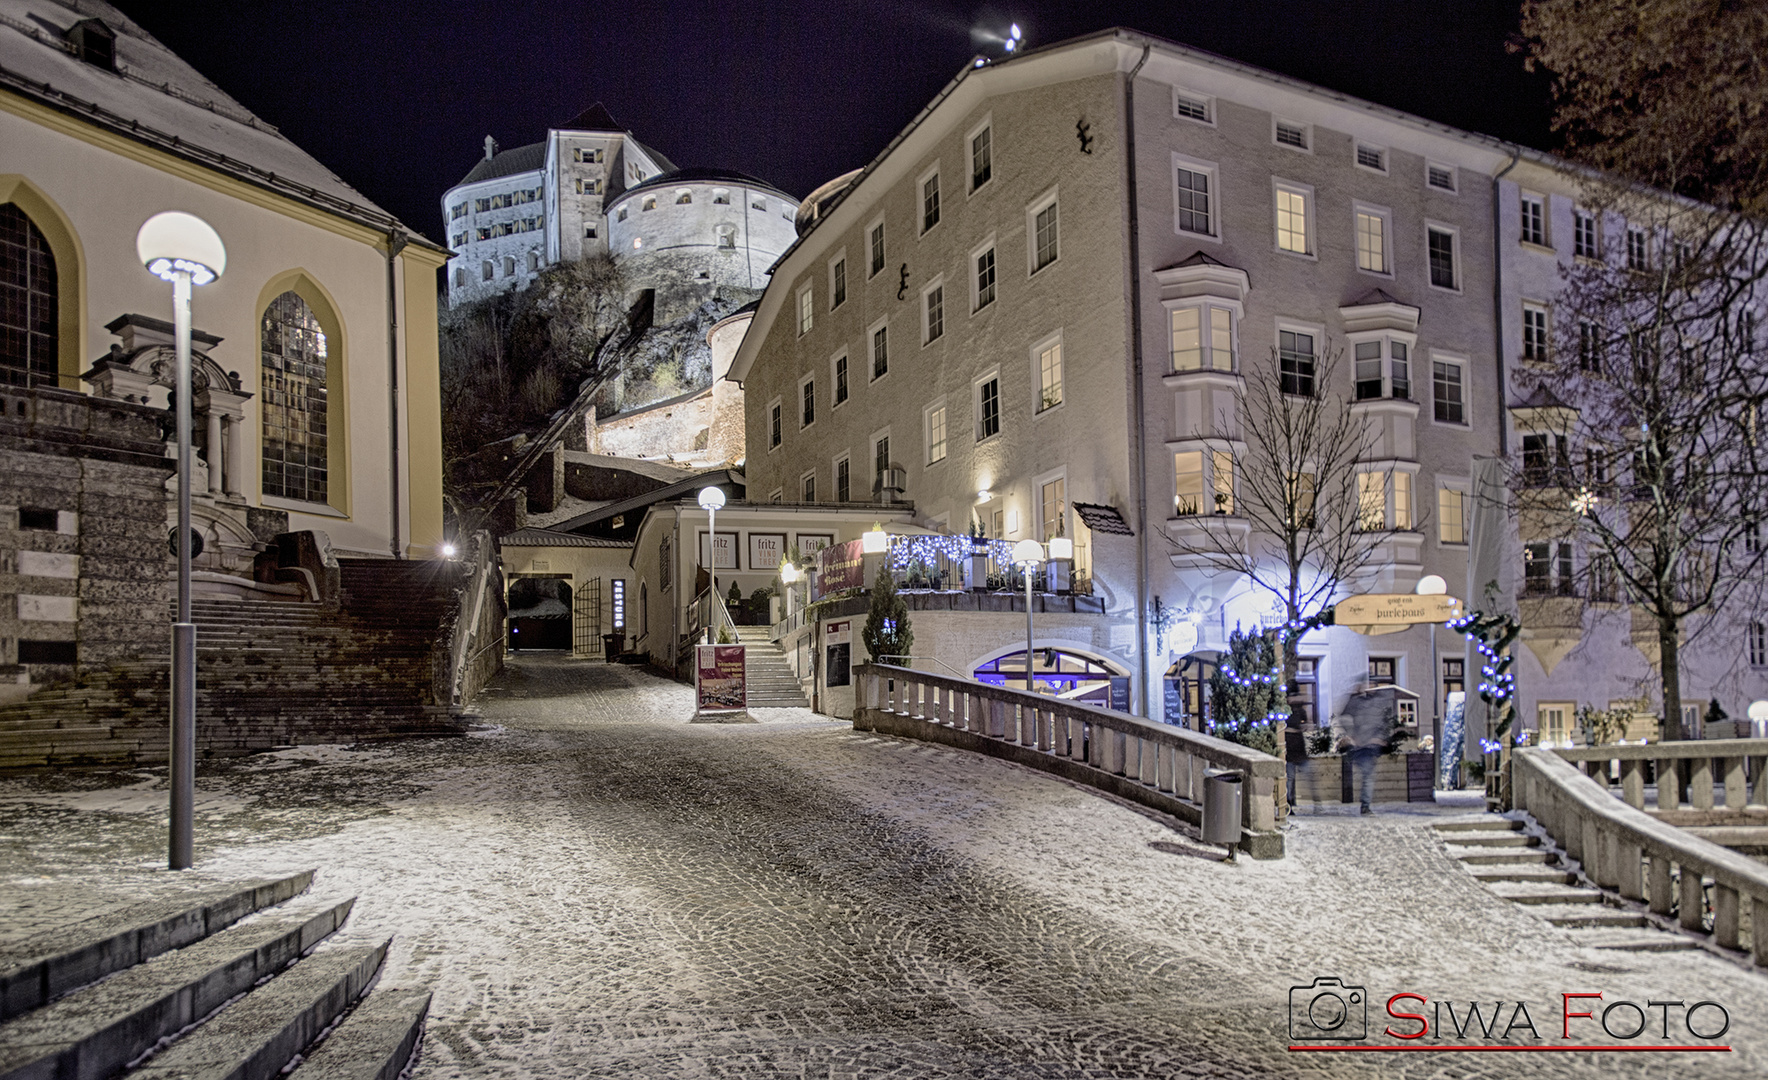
x=1221 y=808
x=611 y=646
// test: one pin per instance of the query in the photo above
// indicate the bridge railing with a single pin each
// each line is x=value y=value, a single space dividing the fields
x=1156 y=764
x=1741 y=764
x=1623 y=848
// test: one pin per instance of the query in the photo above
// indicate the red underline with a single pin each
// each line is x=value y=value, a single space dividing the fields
x=1532 y=1049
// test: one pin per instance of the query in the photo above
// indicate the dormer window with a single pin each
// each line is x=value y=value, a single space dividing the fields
x=94 y=42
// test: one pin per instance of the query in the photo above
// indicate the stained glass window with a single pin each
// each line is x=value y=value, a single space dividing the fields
x=28 y=302
x=292 y=396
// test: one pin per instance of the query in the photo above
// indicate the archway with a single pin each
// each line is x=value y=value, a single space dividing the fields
x=539 y=613
x=1064 y=671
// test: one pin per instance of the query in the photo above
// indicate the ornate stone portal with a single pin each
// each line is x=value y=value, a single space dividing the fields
x=141 y=369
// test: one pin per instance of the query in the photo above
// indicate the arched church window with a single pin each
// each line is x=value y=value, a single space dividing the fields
x=29 y=311
x=293 y=399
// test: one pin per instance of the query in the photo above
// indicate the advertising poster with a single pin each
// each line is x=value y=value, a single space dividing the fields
x=766 y=550
x=839 y=647
x=725 y=550
x=810 y=544
x=719 y=682
x=1174 y=703
x=840 y=567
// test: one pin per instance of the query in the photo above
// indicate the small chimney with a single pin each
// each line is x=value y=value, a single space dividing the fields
x=490 y=147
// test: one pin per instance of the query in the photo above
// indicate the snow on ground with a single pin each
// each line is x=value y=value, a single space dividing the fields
x=594 y=887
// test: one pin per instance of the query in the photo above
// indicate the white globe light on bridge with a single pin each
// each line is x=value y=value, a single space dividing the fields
x=1431 y=585
x=182 y=249
x=1027 y=553
x=711 y=498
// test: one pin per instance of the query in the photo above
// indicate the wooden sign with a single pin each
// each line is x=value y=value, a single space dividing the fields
x=1383 y=613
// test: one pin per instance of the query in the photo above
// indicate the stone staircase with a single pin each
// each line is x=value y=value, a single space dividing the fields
x=268 y=674
x=237 y=982
x=772 y=685
x=1514 y=864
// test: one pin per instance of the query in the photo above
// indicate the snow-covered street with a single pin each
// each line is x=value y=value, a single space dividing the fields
x=597 y=888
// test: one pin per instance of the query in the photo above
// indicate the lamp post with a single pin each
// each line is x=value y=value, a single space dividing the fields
x=184 y=250
x=1028 y=553
x=711 y=499
x=1434 y=585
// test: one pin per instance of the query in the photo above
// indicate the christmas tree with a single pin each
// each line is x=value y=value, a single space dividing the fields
x=1246 y=692
x=887 y=631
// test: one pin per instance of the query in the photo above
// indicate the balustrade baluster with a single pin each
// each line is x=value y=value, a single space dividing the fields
x=1759 y=786
x=1700 y=783
x=1148 y=753
x=1607 y=855
x=1182 y=761
x=1132 y=757
x=1759 y=929
x=1725 y=916
x=1027 y=726
x=1630 y=871
x=1046 y=738
x=1692 y=907
x=997 y=718
x=1660 y=885
x=1633 y=783
x=1736 y=794
x=1669 y=785
x=1163 y=778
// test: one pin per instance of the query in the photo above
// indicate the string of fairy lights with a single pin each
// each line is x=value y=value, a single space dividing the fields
x=1491 y=636
x=1292 y=631
x=905 y=551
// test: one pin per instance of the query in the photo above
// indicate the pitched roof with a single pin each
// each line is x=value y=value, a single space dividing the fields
x=594 y=118
x=156 y=98
x=532 y=537
x=1376 y=296
x=520 y=159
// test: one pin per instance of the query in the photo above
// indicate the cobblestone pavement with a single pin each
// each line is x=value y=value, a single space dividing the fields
x=596 y=888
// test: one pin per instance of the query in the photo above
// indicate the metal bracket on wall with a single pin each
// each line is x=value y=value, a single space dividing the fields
x=903 y=286
x=1081 y=127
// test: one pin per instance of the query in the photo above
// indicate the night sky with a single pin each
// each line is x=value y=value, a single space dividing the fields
x=397 y=97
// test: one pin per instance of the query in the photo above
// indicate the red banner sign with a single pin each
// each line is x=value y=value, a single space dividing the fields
x=719 y=678
x=840 y=567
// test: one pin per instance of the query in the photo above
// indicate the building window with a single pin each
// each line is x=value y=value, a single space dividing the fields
x=1584 y=234
x=1534 y=333
x=1191 y=185
x=935 y=423
x=930 y=202
x=650 y=203
x=1370 y=157
x=1451 y=515
x=1534 y=220
x=487 y=270
x=988 y=408
x=880 y=458
x=807 y=395
x=758 y=204
x=1441 y=177
x=509 y=266
x=1382 y=670
x=1441 y=247
x=1371 y=240
x=840 y=380
x=720 y=197
x=807 y=487
x=481 y=205
x=292 y=400
x=774 y=425
x=460 y=277
x=1403 y=500
x=1638 y=251
x=1371 y=501
x=533 y=261
x=1605 y=584
x=1547 y=569
x=1289 y=133
x=1049 y=374
x=1052 y=509
x=985 y=279
x=1544 y=458
x=1589 y=347
x=727 y=237
x=1447 y=392
x=806 y=310
x=880 y=352
x=1292 y=220
x=843 y=479
x=455 y=212
x=1187 y=483
x=620 y=215
x=1043 y=233
x=934 y=308
x=1758 y=645
x=838 y=282
x=1202 y=338
x=1295 y=362
x=876 y=243
x=1193 y=106
x=981 y=158
x=1376 y=379
x=30 y=303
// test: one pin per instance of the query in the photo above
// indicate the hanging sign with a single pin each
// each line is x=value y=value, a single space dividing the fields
x=1384 y=613
x=840 y=567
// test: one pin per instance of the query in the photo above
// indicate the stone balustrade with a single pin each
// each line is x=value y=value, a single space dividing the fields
x=1157 y=765
x=1625 y=849
x=1740 y=764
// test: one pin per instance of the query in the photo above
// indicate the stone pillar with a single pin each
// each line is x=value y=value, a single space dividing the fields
x=236 y=455
x=215 y=453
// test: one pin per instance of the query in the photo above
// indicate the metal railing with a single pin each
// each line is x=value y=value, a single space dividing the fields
x=710 y=614
x=891 y=658
x=1691 y=765
x=473 y=622
x=1156 y=764
x=1623 y=848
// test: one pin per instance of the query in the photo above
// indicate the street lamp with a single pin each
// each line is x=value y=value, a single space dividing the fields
x=711 y=499
x=184 y=250
x=1028 y=553
x=1434 y=585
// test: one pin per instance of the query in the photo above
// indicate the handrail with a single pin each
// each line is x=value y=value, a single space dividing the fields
x=935 y=659
x=1158 y=765
x=711 y=614
x=1621 y=847
x=1741 y=763
x=470 y=613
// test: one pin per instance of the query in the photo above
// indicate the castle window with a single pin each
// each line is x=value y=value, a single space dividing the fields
x=486 y=270
x=622 y=214
x=292 y=399
x=29 y=302
x=650 y=203
x=509 y=266
x=589 y=232
x=682 y=198
x=727 y=237
x=759 y=204
x=720 y=197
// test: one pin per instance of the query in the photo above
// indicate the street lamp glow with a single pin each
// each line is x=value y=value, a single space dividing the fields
x=1061 y=547
x=1026 y=552
x=448 y=551
x=182 y=249
x=711 y=498
x=788 y=573
x=1431 y=585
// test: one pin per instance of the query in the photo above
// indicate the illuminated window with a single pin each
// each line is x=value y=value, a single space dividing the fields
x=1534 y=219
x=1049 y=374
x=1194 y=349
x=30 y=298
x=292 y=401
x=1187 y=483
x=1371 y=501
x=1043 y=233
x=1402 y=500
x=935 y=418
x=1451 y=515
x=981 y=158
x=1371 y=241
x=1292 y=220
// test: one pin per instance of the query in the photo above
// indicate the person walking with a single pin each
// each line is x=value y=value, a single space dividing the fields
x=1295 y=754
x=1364 y=727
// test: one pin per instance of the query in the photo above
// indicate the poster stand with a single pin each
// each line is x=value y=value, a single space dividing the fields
x=721 y=690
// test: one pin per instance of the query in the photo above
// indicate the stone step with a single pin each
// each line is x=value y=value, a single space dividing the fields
x=1592 y=915
x=1526 y=874
x=96 y=1030
x=1632 y=940
x=1486 y=857
x=1487 y=823
x=255 y=1038
x=1539 y=895
x=1494 y=840
x=376 y=1041
x=38 y=969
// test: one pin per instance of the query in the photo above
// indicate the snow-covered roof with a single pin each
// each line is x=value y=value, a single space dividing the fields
x=532 y=537
x=156 y=98
x=521 y=159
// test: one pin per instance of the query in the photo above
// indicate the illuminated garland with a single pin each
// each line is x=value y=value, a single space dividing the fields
x=1492 y=636
x=905 y=551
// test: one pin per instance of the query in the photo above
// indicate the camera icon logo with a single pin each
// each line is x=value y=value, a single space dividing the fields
x=1328 y=1009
